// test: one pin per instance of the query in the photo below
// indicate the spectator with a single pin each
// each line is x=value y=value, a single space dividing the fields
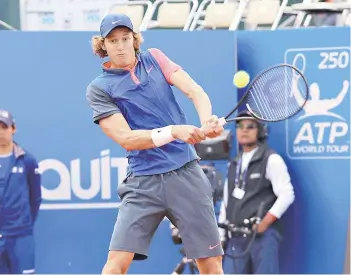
x=20 y=198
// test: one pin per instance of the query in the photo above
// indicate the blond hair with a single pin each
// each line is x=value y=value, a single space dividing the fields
x=98 y=42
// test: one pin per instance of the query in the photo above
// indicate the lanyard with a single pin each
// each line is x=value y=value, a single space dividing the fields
x=240 y=175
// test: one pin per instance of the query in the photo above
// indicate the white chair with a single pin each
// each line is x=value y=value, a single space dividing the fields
x=348 y=20
x=259 y=12
x=214 y=14
x=290 y=15
x=265 y=12
x=346 y=16
x=137 y=11
x=172 y=14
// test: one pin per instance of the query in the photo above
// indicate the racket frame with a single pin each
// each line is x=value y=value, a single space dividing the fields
x=226 y=119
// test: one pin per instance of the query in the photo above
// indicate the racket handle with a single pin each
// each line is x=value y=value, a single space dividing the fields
x=222 y=121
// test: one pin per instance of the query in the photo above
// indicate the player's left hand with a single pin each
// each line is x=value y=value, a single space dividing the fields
x=211 y=127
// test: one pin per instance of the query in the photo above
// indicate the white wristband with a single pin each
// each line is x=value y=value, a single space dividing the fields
x=162 y=136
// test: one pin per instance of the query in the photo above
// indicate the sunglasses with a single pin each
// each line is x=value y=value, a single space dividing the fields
x=247 y=126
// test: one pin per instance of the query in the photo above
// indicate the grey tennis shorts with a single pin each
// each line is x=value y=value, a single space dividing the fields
x=184 y=196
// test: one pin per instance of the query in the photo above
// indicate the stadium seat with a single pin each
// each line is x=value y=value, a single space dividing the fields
x=264 y=12
x=348 y=20
x=259 y=12
x=214 y=14
x=172 y=14
x=135 y=10
x=289 y=15
x=178 y=14
x=346 y=16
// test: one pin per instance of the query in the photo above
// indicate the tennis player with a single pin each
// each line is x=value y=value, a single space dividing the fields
x=133 y=103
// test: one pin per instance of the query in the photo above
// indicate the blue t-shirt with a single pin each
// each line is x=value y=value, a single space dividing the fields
x=5 y=163
x=143 y=95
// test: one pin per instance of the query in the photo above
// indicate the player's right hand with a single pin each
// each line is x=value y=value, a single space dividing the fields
x=188 y=133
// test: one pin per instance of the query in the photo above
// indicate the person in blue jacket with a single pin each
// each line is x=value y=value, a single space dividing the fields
x=20 y=198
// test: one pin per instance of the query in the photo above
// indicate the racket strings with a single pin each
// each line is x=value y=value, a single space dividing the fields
x=277 y=94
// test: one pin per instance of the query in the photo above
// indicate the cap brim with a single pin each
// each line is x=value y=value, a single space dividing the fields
x=6 y=121
x=244 y=117
x=114 y=27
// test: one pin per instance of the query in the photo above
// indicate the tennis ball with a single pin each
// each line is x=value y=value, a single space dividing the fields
x=241 y=79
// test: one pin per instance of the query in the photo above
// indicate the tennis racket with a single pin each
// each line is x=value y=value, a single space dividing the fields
x=275 y=94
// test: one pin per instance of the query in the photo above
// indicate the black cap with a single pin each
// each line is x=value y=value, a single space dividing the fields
x=245 y=115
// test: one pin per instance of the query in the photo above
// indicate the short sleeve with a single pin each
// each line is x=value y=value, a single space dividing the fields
x=101 y=103
x=168 y=67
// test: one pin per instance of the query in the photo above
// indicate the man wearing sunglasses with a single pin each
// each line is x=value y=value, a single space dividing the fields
x=258 y=181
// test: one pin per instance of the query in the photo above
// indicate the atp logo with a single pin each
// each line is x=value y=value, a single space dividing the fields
x=321 y=129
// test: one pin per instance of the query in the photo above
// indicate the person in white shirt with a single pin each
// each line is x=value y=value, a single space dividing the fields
x=257 y=178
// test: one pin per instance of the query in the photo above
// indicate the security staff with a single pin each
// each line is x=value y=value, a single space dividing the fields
x=20 y=198
x=257 y=176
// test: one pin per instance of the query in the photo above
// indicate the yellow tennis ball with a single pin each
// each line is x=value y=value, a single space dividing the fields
x=241 y=79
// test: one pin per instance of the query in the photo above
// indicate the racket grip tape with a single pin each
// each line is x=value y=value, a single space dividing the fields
x=222 y=121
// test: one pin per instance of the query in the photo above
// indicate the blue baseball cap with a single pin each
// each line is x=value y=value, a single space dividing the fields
x=112 y=21
x=6 y=117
